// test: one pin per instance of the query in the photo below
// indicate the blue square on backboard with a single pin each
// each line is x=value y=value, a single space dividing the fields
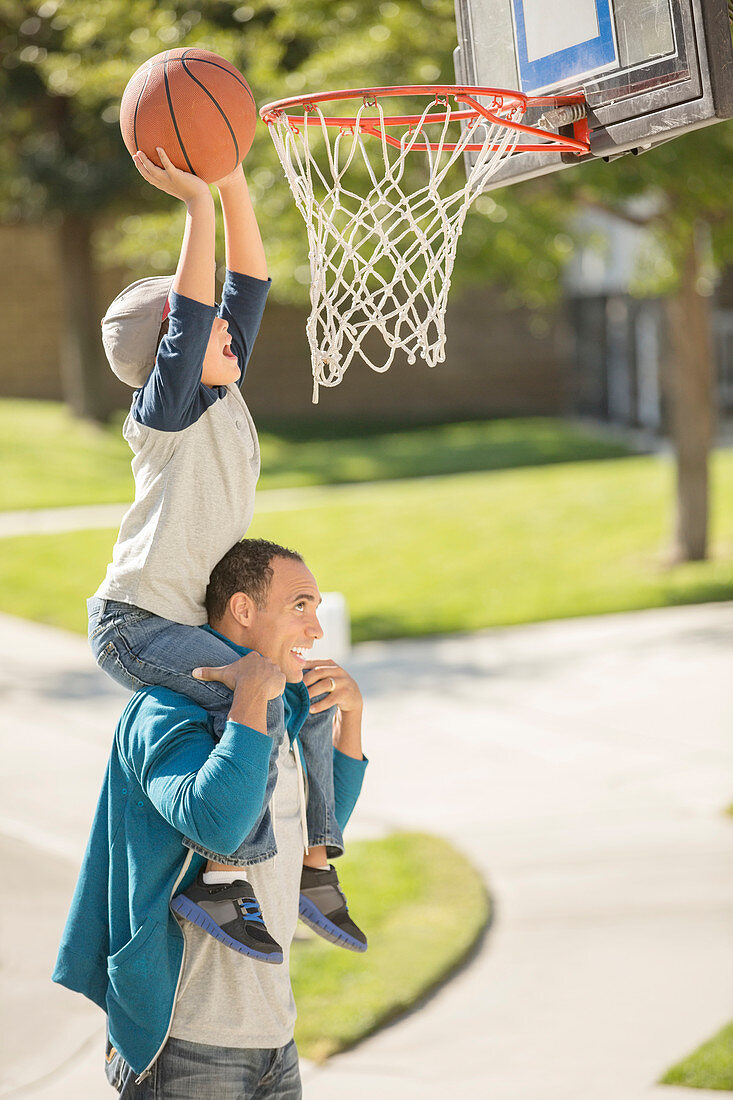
x=579 y=55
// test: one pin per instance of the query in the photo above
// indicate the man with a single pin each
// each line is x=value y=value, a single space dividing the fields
x=188 y=1018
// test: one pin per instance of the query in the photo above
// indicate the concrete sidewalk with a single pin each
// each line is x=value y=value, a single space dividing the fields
x=87 y=517
x=583 y=765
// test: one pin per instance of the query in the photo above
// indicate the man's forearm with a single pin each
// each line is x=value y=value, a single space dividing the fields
x=249 y=709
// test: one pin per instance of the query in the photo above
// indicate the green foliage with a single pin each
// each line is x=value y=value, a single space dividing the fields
x=61 y=150
x=64 y=66
x=675 y=190
x=404 y=891
x=709 y=1067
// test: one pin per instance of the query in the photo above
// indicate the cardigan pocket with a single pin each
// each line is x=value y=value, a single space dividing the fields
x=143 y=976
x=130 y=949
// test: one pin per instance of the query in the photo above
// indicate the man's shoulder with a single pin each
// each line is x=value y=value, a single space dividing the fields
x=160 y=704
x=155 y=718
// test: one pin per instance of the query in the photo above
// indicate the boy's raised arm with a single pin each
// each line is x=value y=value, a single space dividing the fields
x=196 y=269
x=244 y=250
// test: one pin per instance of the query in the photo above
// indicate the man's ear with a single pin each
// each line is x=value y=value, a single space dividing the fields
x=242 y=608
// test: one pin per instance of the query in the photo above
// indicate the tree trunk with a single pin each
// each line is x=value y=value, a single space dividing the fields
x=82 y=358
x=691 y=406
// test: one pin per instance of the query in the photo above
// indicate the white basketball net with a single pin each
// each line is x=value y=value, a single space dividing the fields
x=383 y=260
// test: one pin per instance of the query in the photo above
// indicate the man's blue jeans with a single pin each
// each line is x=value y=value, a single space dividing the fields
x=192 y=1071
x=139 y=649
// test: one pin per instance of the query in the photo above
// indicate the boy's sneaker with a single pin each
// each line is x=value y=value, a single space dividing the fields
x=323 y=908
x=231 y=914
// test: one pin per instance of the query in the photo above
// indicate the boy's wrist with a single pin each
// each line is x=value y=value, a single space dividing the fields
x=235 y=181
x=201 y=201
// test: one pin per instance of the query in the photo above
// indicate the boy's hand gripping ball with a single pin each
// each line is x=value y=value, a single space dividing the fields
x=193 y=104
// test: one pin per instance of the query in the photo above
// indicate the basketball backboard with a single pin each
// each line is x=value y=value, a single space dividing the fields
x=650 y=70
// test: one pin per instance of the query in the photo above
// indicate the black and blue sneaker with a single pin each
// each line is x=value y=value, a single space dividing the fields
x=323 y=908
x=231 y=914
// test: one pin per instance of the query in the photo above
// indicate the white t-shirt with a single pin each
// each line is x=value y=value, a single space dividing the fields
x=227 y=999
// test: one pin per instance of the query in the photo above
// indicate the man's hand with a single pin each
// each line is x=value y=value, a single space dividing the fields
x=343 y=691
x=181 y=185
x=253 y=673
x=254 y=680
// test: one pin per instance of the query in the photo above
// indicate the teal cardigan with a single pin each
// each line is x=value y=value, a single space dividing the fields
x=166 y=777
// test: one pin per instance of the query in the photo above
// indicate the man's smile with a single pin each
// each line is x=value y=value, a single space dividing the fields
x=300 y=653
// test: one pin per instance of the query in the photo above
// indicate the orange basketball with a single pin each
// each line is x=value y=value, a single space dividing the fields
x=193 y=104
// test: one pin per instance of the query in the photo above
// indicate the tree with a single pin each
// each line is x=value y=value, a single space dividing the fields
x=679 y=192
x=60 y=161
x=62 y=71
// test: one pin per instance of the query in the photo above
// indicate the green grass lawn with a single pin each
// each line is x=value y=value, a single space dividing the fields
x=450 y=554
x=709 y=1067
x=404 y=891
x=49 y=459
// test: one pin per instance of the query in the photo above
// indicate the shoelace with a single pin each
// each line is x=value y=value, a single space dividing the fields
x=250 y=910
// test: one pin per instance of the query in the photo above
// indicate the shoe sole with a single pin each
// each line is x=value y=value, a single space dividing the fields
x=311 y=915
x=194 y=913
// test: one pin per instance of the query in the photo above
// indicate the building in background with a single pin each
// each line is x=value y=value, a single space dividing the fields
x=620 y=337
x=499 y=362
x=599 y=355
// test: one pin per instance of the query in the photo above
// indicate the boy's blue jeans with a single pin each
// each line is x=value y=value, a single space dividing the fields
x=139 y=649
x=192 y=1071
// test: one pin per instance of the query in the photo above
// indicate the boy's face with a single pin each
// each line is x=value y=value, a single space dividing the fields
x=221 y=366
x=287 y=626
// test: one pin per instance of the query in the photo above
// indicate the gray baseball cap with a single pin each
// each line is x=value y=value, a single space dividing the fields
x=131 y=325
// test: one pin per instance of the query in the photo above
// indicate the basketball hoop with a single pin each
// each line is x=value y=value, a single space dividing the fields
x=382 y=253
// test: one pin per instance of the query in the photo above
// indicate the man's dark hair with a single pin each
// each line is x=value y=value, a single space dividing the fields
x=244 y=568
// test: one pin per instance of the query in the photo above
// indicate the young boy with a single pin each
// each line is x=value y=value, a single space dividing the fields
x=196 y=463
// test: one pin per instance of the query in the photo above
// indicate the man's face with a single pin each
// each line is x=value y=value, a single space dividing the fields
x=287 y=626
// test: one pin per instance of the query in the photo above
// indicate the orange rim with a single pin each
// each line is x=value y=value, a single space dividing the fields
x=502 y=99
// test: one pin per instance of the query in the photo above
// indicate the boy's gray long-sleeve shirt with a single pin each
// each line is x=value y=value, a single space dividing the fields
x=196 y=461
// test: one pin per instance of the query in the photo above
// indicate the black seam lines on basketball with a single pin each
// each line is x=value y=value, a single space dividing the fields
x=137 y=107
x=173 y=115
x=208 y=61
x=218 y=107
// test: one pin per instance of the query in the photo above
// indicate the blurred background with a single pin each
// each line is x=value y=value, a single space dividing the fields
x=591 y=319
x=572 y=456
